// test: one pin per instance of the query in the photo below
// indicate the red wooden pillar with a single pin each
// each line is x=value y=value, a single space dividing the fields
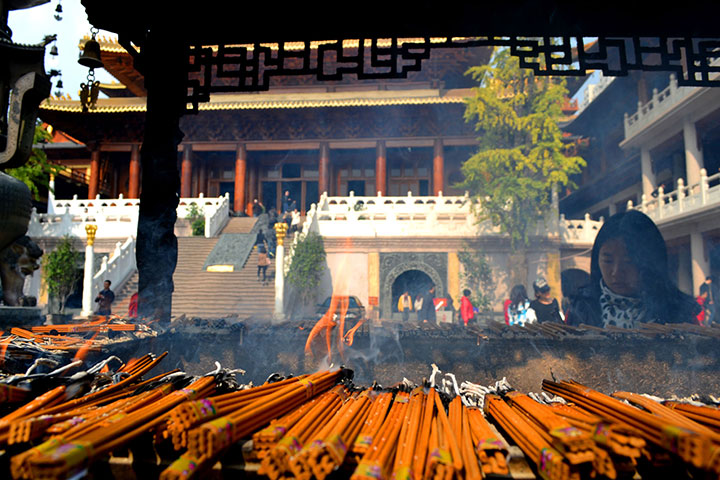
x=324 y=169
x=438 y=167
x=240 y=171
x=186 y=172
x=381 y=168
x=94 y=182
x=252 y=188
x=338 y=181
x=134 y=181
x=202 y=178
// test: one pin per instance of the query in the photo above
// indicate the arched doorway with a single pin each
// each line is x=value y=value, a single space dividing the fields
x=415 y=282
x=388 y=294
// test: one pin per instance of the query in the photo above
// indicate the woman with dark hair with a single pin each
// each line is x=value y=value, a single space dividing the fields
x=517 y=307
x=629 y=282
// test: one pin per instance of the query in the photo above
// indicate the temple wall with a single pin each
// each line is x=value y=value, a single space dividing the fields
x=355 y=273
x=347 y=274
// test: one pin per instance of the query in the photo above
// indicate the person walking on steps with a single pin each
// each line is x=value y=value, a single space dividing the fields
x=263 y=264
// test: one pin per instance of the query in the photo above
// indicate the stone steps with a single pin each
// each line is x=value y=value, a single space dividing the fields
x=239 y=225
x=199 y=293
x=122 y=298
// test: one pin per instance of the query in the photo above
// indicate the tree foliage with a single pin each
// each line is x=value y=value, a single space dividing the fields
x=60 y=271
x=477 y=276
x=307 y=267
x=196 y=217
x=37 y=170
x=521 y=154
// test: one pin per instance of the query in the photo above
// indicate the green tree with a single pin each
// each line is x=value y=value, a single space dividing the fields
x=60 y=271
x=307 y=267
x=477 y=276
x=521 y=154
x=37 y=170
x=196 y=217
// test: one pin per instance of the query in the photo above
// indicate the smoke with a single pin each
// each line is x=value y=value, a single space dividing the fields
x=381 y=346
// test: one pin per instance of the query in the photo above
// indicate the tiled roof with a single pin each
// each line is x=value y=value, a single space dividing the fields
x=110 y=44
x=277 y=101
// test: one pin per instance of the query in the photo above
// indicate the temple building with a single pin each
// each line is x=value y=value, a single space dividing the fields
x=379 y=159
x=654 y=146
x=302 y=136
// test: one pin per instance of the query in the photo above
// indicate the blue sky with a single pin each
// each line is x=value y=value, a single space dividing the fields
x=30 y=26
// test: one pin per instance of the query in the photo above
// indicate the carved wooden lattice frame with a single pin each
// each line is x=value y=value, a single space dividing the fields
x=251 y=66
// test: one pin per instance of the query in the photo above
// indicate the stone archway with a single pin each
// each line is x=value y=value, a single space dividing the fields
x=391 y=276
x=415 y=282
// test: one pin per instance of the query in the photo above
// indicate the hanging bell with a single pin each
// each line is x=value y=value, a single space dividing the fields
x=58 y=9
x=59 y=84
x=90 y=56
x=54 y=51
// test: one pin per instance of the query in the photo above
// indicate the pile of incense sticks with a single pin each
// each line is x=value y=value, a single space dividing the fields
x=322 y=424
x=19 y=347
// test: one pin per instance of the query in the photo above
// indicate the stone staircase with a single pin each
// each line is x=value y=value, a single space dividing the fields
x=239 y=225
x=199 y=293
x=122 y=298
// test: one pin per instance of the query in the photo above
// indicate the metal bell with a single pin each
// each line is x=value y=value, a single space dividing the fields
x=90 y=56
x=54 y=51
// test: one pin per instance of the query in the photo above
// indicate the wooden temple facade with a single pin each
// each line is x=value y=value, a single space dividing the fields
x=302 y=136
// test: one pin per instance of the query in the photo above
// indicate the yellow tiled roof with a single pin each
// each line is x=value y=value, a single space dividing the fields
x=277 y=101
x=110 y=44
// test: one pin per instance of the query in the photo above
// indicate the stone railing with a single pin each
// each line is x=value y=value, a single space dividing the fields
x=118 y=268
x=215 y=221
x=685 y=200
x=426 y=216
x=118 y=217
x=395 y=216
x=579 y=231
x=309 y=225
x=593 y=90
x=660 y=103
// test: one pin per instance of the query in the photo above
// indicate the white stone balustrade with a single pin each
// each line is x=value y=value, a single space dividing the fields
x=425 y=216
x=215 y=221
x=660 y=103
x=395 y=216
x=118 y=217
x=309 y=225
x=685 y=200
x=594 y=90
x=118 y=268
x=579 y=231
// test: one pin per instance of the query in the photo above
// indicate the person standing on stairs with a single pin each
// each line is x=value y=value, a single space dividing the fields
x=263 y=264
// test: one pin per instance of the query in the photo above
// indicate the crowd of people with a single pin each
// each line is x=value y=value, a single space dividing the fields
x=265 y=241
x=628 y=284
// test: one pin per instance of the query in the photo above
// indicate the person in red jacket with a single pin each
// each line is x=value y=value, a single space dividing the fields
x=467 y=311
x=132 y=306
